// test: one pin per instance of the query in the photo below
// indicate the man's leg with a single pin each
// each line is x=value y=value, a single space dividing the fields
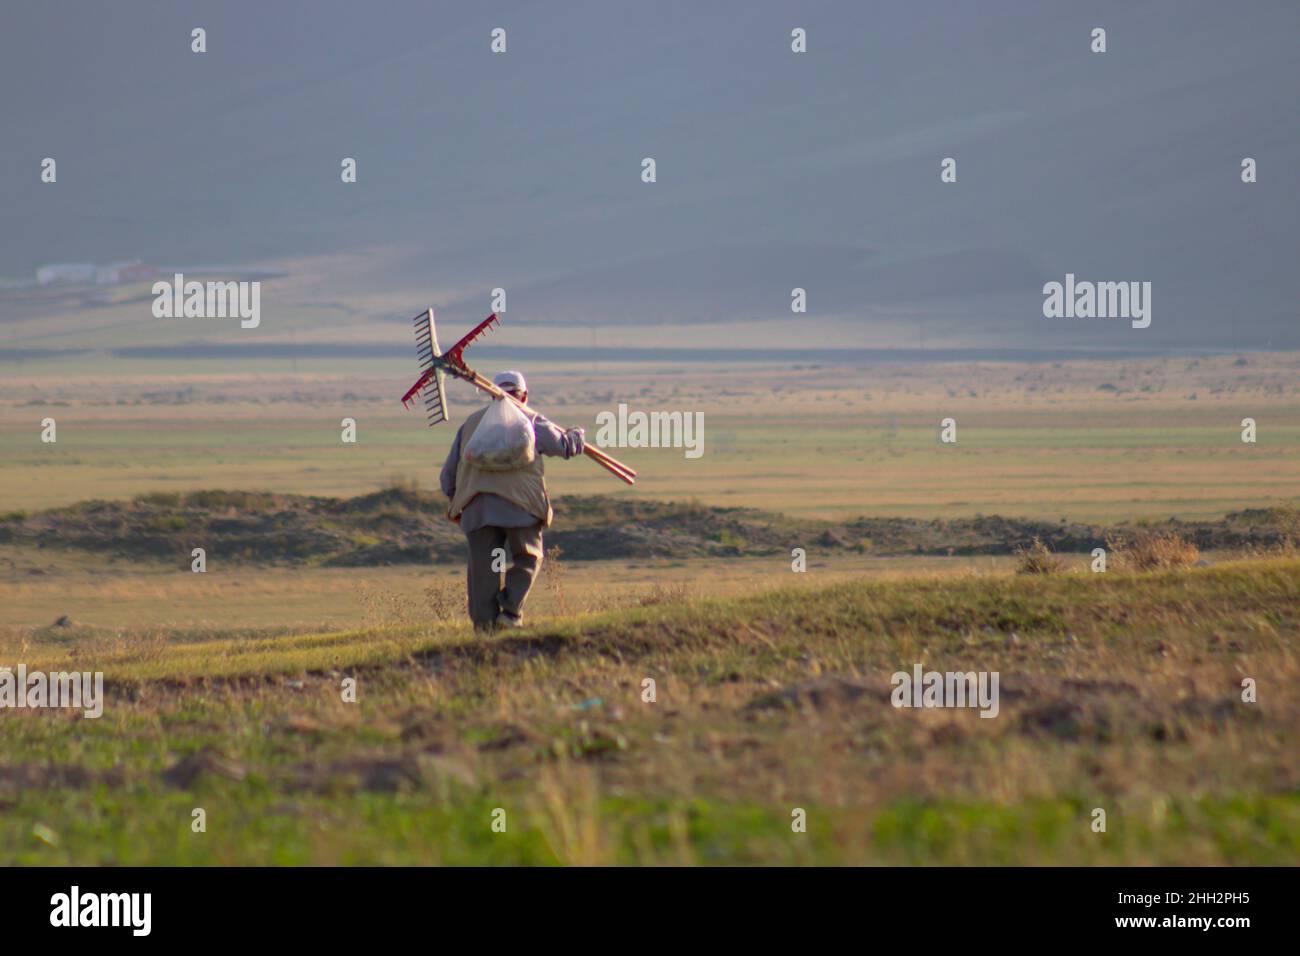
x=482 y=582
x=525 y=546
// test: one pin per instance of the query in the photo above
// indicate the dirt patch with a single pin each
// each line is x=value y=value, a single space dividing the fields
x=189 y=770
x=400 y=773
x=823 y=694
x=21 y=777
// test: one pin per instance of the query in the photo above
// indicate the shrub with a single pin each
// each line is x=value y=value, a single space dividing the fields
x=729 y=539
x=666 y=594
x=1286 y=518
x=444 y=600
x=405 y=484
x=1038 y=558
x=165 y=523
x=1146 y=550
x=220 y=500
x=165 y=499
x=554 y=573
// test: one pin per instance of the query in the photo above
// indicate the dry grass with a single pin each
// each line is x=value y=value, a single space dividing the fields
x=1038 y=558
x=1120 y=691
x=1143 y=550
x=555 y=573
x=678 y=593
x=440 y=602
x=444 y=600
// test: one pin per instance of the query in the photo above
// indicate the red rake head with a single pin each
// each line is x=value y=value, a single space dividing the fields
x=411 y=393
x=453 y=354
x=433 y=362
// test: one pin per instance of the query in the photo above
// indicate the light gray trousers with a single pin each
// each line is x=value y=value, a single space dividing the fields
x=523 y=561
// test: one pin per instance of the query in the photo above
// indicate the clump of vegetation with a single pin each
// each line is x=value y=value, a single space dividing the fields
x=218 y=499
x=554 y=573
x=730 y=540
x=163 y=499
x=678 y=593
x=1287 y=519
x=165 y=523
x=1038 y=558
x=387 y=608
x=406 y=483
x=1147 y=550
x=444 y=600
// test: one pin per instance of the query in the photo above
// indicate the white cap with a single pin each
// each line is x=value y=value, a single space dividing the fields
x=510 y=379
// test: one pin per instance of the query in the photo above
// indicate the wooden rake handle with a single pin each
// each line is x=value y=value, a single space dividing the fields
x=612 y=465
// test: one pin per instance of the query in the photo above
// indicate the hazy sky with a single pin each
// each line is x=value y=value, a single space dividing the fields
x=775 y=169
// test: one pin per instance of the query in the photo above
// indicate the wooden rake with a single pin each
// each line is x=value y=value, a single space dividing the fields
x=435 y=365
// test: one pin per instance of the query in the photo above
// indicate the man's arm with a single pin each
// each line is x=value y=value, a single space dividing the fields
x=554 y=441
x=448 y=477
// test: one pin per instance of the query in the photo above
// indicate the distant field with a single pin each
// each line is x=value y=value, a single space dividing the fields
x=1087 y=441
x=1118 y=691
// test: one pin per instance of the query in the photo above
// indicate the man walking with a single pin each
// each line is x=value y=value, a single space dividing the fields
x=503 y=511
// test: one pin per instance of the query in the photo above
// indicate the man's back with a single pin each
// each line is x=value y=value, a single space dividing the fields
x=503 y=512
x=504 y=499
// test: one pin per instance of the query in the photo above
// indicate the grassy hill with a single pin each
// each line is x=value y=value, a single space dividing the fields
x=402 y=525
x=1120 y=691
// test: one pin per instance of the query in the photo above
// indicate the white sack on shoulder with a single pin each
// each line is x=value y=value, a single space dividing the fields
x=504 y=439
